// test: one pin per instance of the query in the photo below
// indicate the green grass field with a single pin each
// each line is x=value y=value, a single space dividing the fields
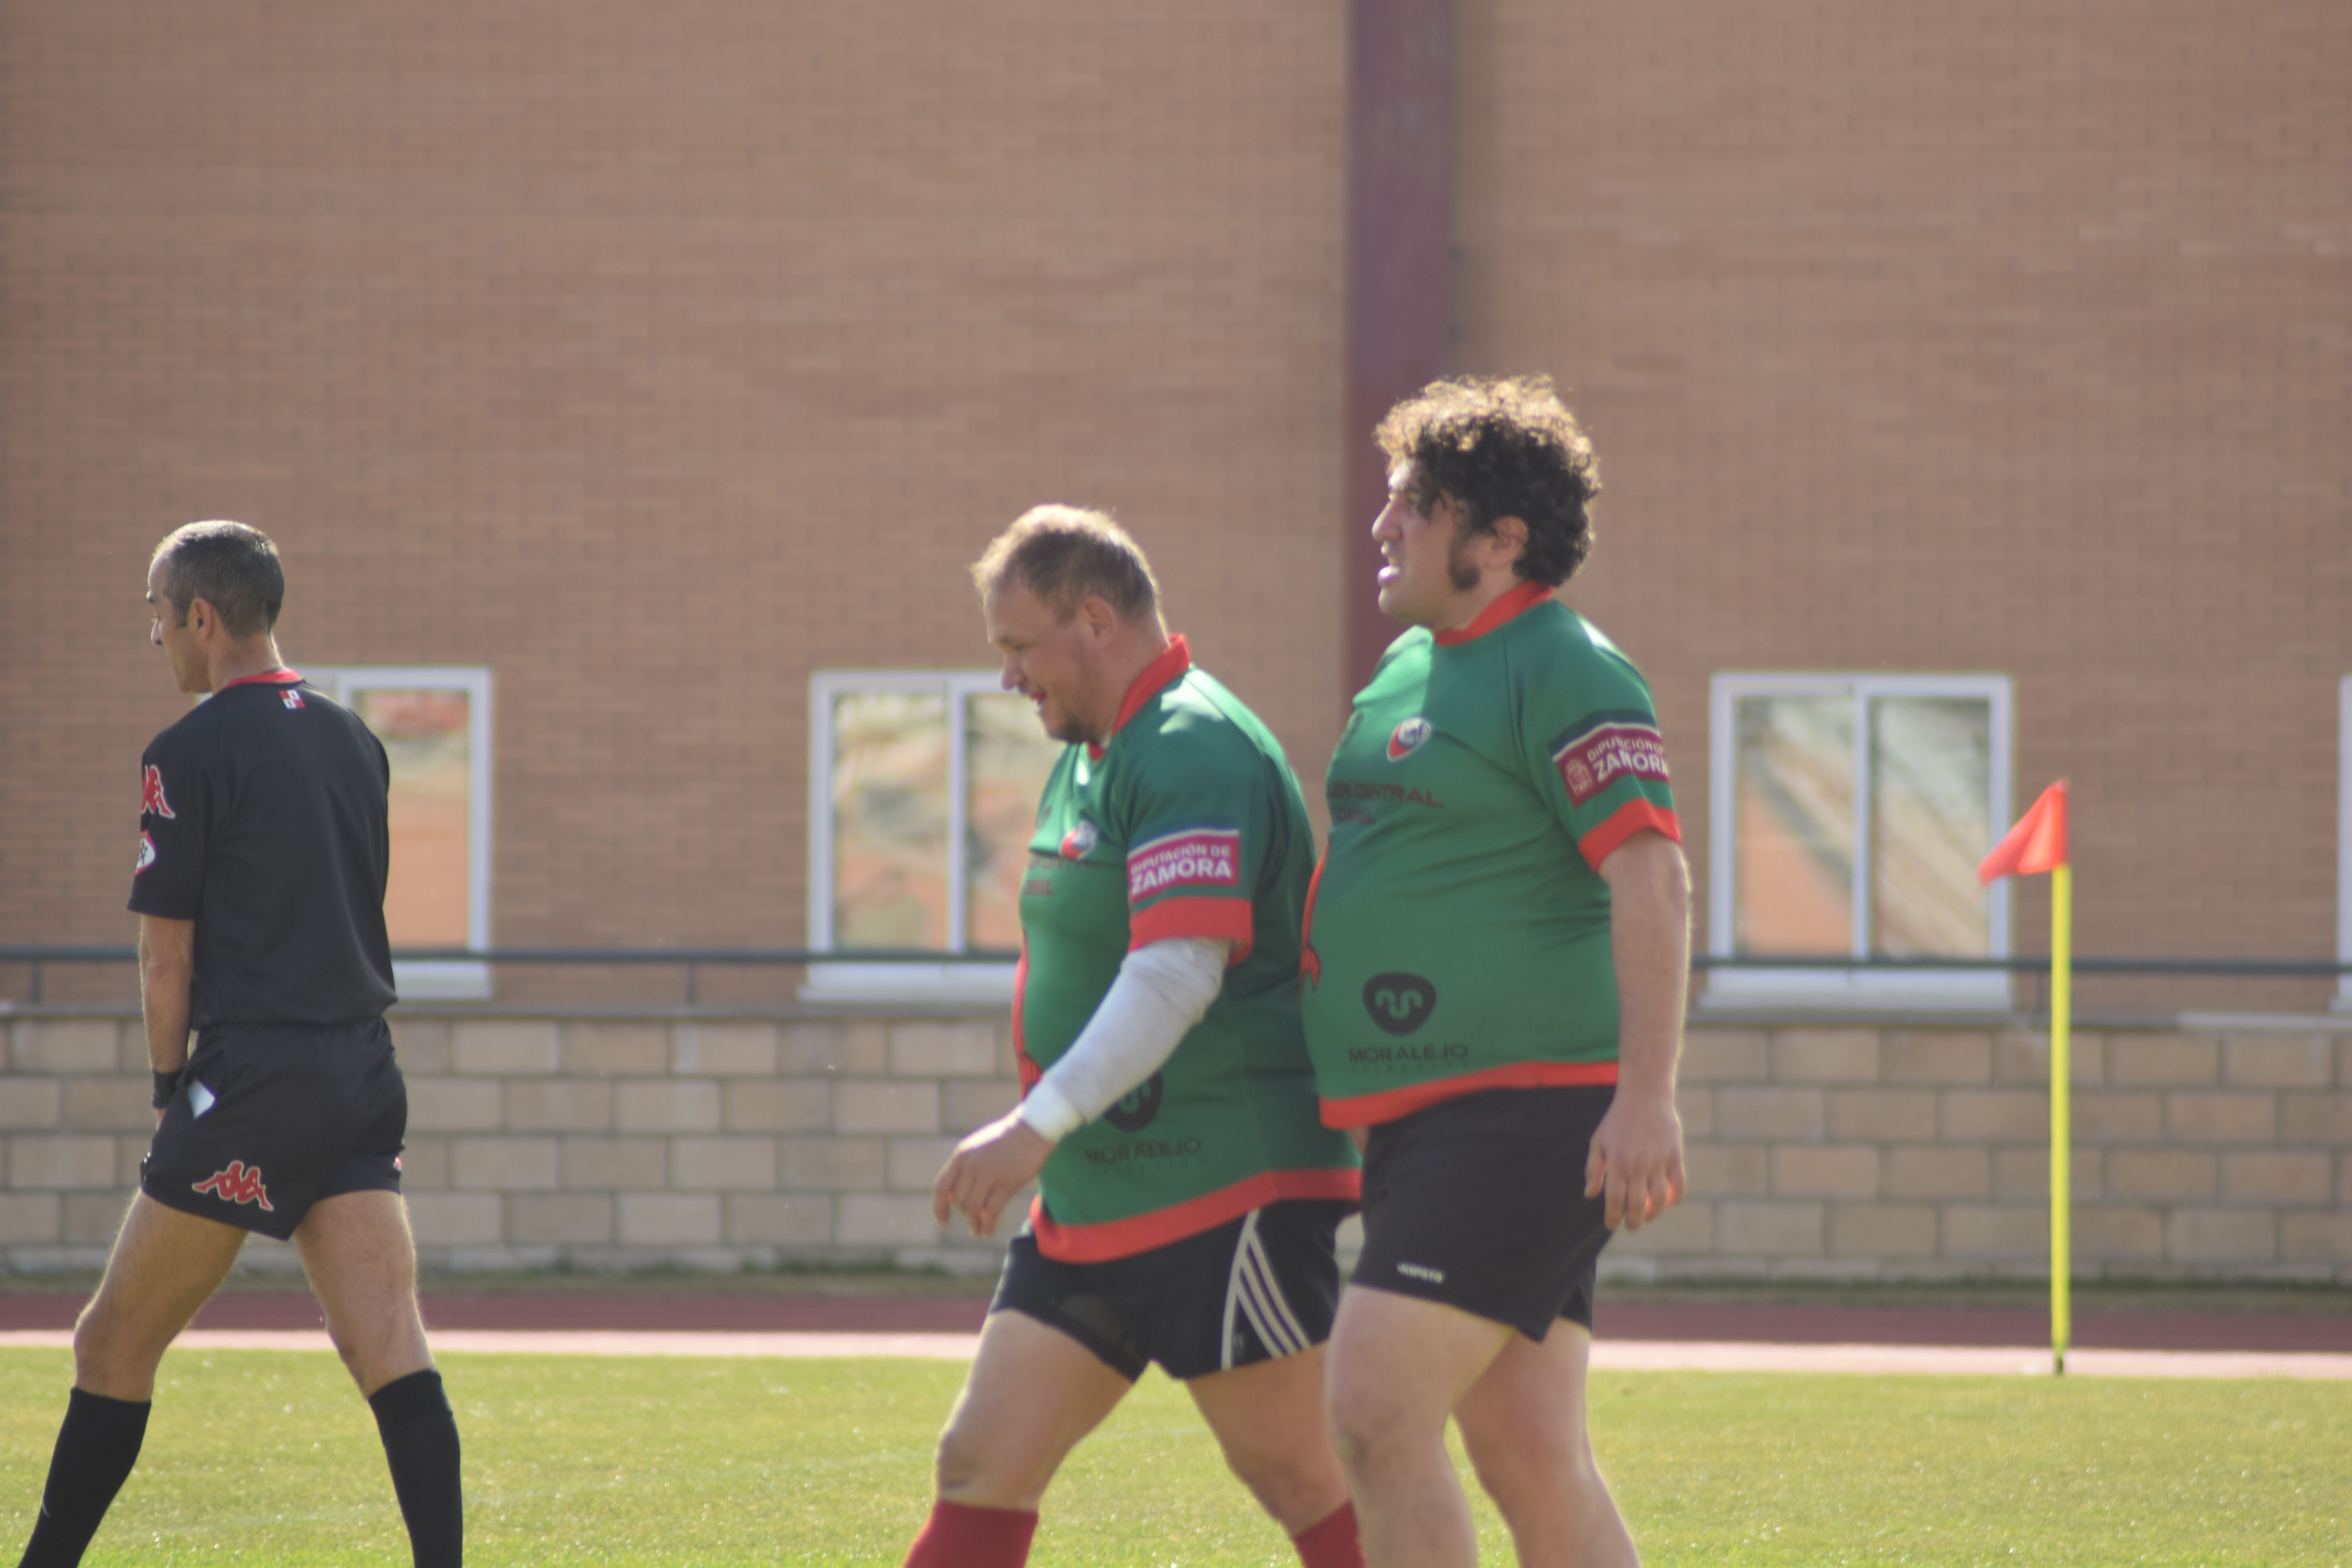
x=260 y=1458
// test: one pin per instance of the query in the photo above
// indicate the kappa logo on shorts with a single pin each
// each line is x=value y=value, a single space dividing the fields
x=1409 y=737
x=1197 y=858
x=146 y=853
x=1079 y=839
x=240 y=1183
x=1591 y=762
x=1421 y=1271
x=293 y=698
x=1135 y=1108
x=151 y=795
x=1399 y=1003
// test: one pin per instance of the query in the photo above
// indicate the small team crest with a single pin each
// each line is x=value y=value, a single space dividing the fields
x=146 y=853
x=240 y=1183
x=291 y=697
x=1409 y=737
x=151 y=795
x=1079 y=839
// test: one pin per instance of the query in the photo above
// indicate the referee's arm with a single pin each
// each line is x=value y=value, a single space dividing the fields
x=167 y=961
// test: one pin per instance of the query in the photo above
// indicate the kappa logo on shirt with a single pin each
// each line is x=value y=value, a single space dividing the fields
x=1409 y=737
x=151 y=795
x=1592 y=761
x=240 y=1183
x=146 y=853
x=1197 y=858
x=1079 y=839
x=291 y=697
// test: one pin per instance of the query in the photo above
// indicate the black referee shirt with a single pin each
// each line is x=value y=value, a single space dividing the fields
x=262 y=819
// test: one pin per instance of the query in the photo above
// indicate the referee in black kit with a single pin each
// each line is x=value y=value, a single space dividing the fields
x=259 y=893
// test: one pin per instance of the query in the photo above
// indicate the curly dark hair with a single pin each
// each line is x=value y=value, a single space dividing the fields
x=1503 y=447
x=232 y=567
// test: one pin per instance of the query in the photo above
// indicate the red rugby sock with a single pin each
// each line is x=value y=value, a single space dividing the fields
x=1332 y=1543
x=962 y=1536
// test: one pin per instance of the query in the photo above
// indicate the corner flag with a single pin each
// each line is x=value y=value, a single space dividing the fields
x=2038 y=843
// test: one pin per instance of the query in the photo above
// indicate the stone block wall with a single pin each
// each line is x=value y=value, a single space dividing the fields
x=597 y=1144
x=1876 y=1151
x=1869 y=1152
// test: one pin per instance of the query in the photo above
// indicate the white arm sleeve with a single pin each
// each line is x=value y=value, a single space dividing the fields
x=1162 y=990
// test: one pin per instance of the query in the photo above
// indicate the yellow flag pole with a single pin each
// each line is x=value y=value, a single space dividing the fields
x=2061 y=963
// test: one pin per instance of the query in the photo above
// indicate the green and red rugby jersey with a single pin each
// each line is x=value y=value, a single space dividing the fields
x=1186 y=822
x=1458 y=927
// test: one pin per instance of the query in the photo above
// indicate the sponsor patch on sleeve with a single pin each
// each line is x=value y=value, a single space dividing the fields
x=1196 y=857
x=1590 y=762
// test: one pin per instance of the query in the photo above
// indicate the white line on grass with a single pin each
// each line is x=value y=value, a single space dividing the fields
x=1617 y=1355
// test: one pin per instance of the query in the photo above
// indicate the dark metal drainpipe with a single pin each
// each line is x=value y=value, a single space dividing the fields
x=1399 y=267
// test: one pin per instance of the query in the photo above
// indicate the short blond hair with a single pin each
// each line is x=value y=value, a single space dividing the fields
x=1064 y=554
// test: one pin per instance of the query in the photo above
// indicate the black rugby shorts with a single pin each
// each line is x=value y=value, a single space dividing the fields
x=271 y=1118
x=1254 y=1288
x=1478 y=1202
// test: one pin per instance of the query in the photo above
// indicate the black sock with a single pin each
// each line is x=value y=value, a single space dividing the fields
x=420 y=1442
x=96 y=1448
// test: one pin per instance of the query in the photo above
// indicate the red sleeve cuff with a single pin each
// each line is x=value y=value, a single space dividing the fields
x=1219 y=920
x=1627 y=820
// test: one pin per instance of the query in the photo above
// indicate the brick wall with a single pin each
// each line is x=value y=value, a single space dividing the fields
x=1861 y=1152
x=655 y=356
x=2001 y=337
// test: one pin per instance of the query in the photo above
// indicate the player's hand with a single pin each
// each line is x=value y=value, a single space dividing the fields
x=1636 y=1164
x=986 y=1170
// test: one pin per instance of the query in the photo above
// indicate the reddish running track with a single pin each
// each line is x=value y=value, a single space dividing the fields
x=1669 y=1322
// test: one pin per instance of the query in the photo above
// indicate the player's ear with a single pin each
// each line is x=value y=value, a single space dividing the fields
x=1095 y=615
x=1510 y=534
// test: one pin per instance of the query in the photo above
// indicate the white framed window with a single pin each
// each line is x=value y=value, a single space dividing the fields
x=923 y=789
x=2343 y=1003
x=436 y=723
x=1847 y=816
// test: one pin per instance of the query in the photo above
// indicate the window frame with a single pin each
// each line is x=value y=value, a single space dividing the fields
x=2342 y=1000
x=848 y=980
x=444 y=979
x=1922 y=987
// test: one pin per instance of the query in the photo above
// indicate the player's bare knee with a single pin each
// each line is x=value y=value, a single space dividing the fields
x=1361 y=1433
x=106 y=1359
x=958 y=1463
x=1297 y=1488
x=349 y=1355
x=1356 y=1408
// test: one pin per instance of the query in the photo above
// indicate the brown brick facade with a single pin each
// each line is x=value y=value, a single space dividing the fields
x=656 y=357
x=1990 y=338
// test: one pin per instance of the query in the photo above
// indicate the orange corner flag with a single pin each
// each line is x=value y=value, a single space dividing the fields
x=2037 y=842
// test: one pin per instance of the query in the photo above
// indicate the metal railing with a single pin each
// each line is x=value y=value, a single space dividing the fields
x=693 y=960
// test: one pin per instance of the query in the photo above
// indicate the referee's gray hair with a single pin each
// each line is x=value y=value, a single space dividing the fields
x=228 y=565
x=1064 y=553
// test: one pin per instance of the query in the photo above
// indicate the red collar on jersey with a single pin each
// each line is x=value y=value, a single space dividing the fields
x=1156 y=677
x=279 y=677
x=1519 y=600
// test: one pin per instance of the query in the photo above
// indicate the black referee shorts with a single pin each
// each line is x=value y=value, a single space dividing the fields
x=1478 y=1202
x=1254 y=1288
x=272 y=1118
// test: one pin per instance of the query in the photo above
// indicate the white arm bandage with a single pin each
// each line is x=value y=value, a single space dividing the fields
x=1162 y=990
